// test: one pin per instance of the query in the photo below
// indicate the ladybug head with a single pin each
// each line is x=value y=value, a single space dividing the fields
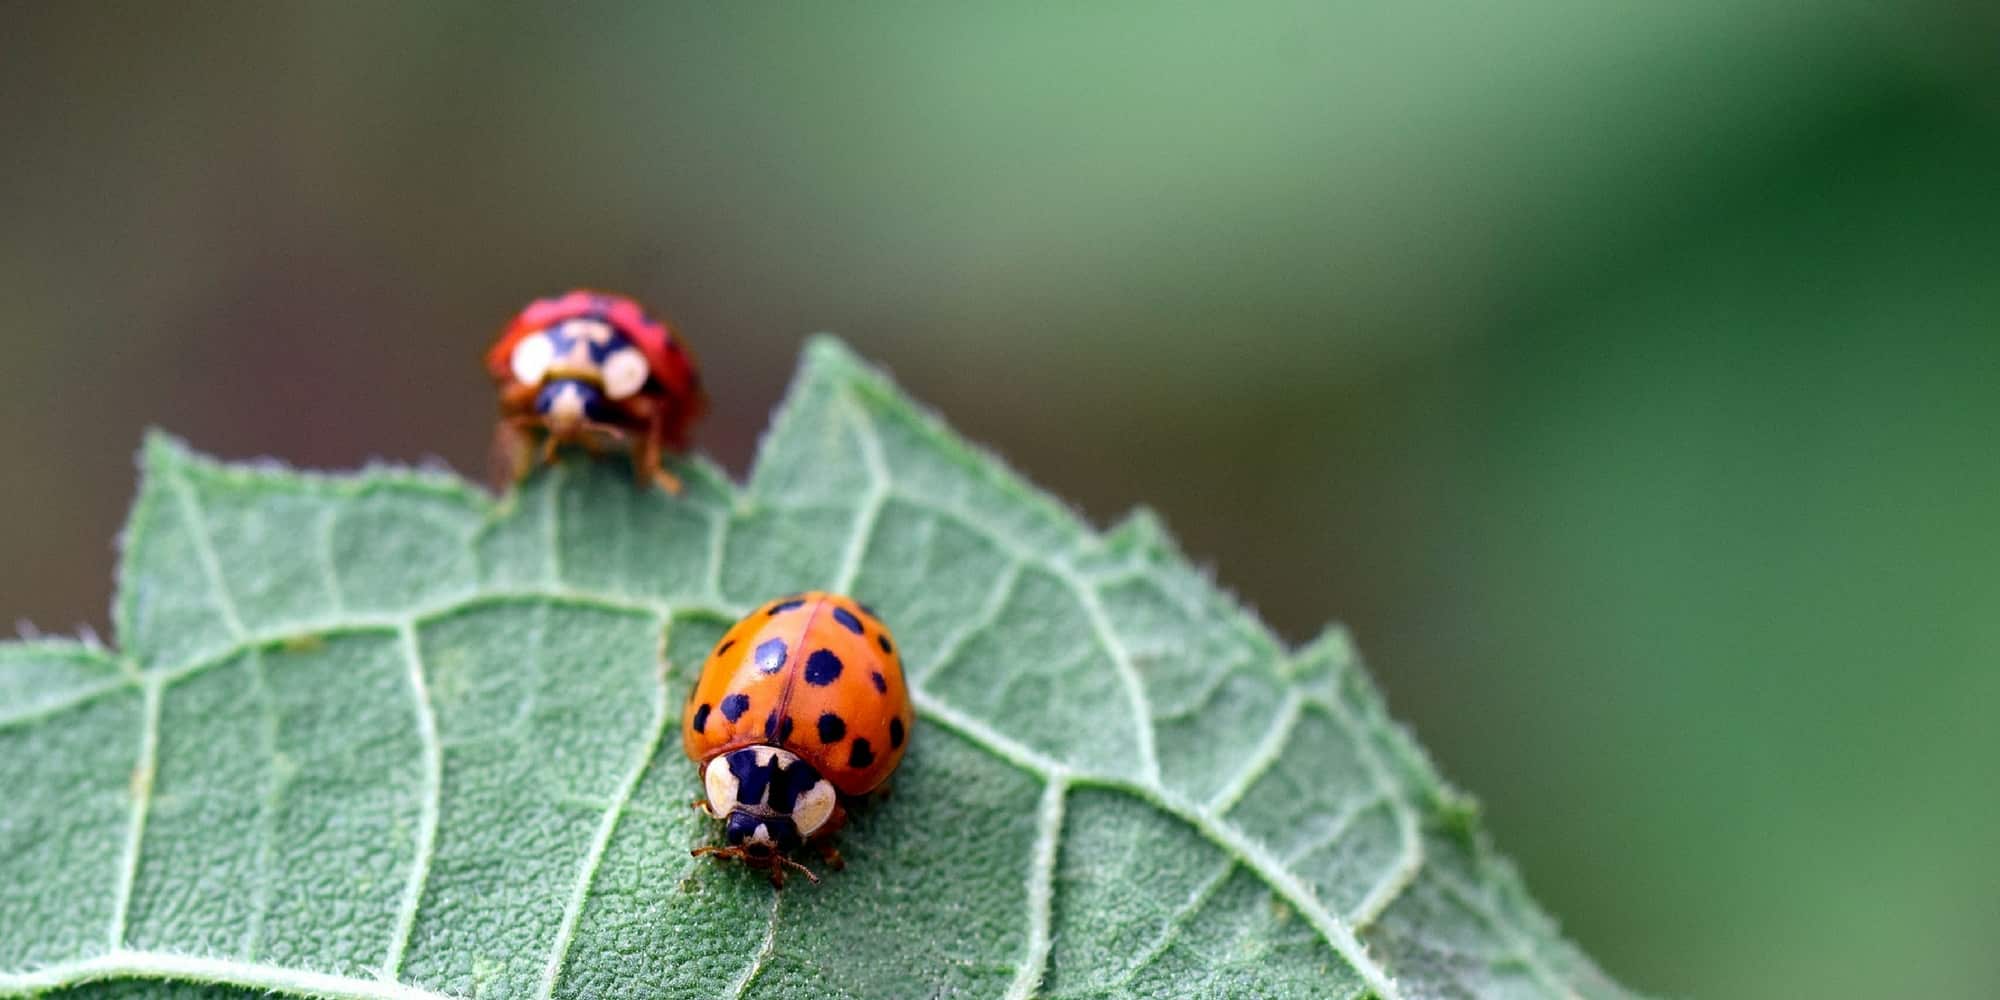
x=761 y=836
x=568 y=405
x=771 y=800
x=587 y=350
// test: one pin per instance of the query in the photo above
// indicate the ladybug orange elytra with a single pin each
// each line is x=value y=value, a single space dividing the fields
x=800 y=709
x=592 y=369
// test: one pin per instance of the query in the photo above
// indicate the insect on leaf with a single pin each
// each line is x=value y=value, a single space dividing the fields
x=377 y=735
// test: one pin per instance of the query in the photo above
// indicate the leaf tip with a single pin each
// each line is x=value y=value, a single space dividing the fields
x=159 y=449
x=825 y=353
x=830 y=361
x=1456 y=814
x=1142 y=530
x=1328 y=656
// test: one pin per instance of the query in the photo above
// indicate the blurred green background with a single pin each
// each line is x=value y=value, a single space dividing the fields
x=1626 y=376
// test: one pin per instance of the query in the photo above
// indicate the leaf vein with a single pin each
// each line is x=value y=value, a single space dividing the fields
x=996 y=601
x=1266 y=754
x=1411 y=860
x=587 y=871
x=870 y=509
x=1093 y=608
x=1525 y=949
x=1176 y=921
x=718 y=548
x=1086 y=594
x=76 y=699
x=329 y=567
x=204 y=549
x=1128 y=673
x=763 y=955
x=1330 y=926
x=427 y=819
x=267 y=738
x=142 y=799
x=1335 y=830
x=1041 y=890
x=122 y=964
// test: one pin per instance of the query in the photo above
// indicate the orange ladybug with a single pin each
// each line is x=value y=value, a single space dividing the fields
x=592 y=368
x=800 y=710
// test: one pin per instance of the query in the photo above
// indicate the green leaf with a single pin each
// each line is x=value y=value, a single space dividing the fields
x=378 y=736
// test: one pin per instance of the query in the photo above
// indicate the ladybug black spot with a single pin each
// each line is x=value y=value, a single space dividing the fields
x=831 y=728
x=881 y=684
x=733 y=706
x=785 y=605
x=883 y=641
x=724 y=648
x=770 y=655
x=895 y=733
x=822 y=668
x=700 y=720
x=862 y=755
x=776 y=728
x=848 y=621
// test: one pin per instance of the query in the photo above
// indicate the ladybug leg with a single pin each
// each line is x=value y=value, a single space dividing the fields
x=667 y=481
x=701 y=806
x=776 y=864
x=823 y=839
x=549 y=450
x=778 y=872
x=831 y=855
x=648 y=457
x=512 y=455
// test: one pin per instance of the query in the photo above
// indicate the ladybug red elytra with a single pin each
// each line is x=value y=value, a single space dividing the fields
x=800 y=710
x=592 y=369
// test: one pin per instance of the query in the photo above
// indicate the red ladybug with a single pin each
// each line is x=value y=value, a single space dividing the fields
x=592 y=369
